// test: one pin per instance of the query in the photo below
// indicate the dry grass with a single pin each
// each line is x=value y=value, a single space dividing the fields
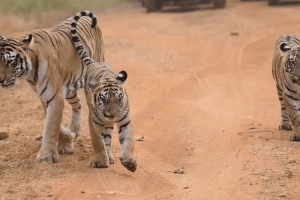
x=21 y=177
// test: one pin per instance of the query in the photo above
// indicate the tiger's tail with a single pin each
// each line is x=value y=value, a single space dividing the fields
x=75 y=38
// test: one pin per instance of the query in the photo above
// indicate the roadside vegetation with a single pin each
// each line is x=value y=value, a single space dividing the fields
x=33 y=6
x=51 y=12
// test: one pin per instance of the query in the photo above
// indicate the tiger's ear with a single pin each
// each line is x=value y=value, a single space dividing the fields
x=93 y=83
x=27 y=40
x=122 y=76
x=1 y=38
x=284 y=47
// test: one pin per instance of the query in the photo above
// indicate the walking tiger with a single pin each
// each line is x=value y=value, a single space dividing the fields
x=52 y=67
x=108 y=105
x=286 y=73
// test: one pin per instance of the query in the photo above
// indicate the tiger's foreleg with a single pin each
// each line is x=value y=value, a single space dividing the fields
x=294 y=113
x=107 y=140
x=54 y=112
x=285 y=120
x=285 y=117
x=66 y=137
x=101 y=159
x=127 y=144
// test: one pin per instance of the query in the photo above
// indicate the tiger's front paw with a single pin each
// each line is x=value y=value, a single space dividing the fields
x=295 y=137
x=75 y=128
x=48 y=155
x=111 y=159
x=66 y=148
x=129 y=163
x=285 y=126
x=100 y=161
x=99 y=164
x=65 y=141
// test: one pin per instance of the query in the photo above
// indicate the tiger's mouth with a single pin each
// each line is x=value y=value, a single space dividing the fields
x=295 y=79
x=109 y=116
x=7 y=84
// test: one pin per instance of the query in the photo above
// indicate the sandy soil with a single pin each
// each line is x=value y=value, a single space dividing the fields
x=201 y=94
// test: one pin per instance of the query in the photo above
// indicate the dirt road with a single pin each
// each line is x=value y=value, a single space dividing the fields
x=201 y=94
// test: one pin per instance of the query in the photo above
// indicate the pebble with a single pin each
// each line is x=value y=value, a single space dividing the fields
x=111 y=192
x=3 y=135
x=282 y=195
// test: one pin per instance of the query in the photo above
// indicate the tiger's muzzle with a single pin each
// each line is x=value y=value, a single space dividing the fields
x=294 y=72
x=7 y=83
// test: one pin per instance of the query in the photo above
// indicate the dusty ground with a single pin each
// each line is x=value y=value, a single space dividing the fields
x=202 y=96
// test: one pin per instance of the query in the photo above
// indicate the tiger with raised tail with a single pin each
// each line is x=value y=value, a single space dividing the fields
x=286 y=73
x=52 y=67
x=108 y=105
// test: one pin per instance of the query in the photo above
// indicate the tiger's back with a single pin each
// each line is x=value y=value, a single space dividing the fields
x=92 y=37
x=61 y=50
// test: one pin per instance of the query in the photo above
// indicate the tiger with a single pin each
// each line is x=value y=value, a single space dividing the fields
x=108 y=104
x=50 y=64
x=286 y=73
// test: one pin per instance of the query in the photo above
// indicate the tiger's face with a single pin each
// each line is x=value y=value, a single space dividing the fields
x=109 y=100
x=292 y=67
x=109 y=95
x=14 y=61
x=291 y=62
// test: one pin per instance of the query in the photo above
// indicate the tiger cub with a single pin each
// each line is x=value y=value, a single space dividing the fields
x=286 y=73
x=108 y=105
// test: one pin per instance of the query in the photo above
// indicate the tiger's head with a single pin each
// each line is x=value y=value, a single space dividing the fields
x=291 y=62
x=109 y=95
x=14 y=60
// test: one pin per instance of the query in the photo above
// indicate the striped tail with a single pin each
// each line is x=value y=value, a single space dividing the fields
x=75 y=39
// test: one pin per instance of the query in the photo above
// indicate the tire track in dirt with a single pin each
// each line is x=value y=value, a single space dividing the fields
x=100 y=183
x=260 y=142
x=154 y=179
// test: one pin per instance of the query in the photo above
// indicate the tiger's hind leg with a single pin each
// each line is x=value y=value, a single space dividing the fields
x=68 y=135
x=65 y=138
x=127 y=144
x=100 y=159
x=75 y=121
